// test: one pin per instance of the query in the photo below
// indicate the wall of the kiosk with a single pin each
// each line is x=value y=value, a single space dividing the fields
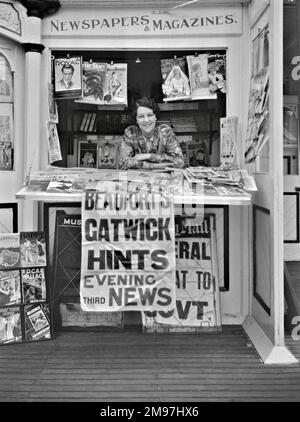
x=235 y=302
x=12 y=180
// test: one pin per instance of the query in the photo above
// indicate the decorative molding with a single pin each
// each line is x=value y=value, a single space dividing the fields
x=10 y=18
x=40 y=8
x=36 y=48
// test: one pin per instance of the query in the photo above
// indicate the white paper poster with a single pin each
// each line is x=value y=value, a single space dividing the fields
x=128 y=250
x=197 y=286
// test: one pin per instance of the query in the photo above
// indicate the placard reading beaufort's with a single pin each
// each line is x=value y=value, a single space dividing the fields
x=128 y=251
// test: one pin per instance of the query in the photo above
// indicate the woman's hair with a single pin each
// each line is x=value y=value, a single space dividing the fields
x=145 y=102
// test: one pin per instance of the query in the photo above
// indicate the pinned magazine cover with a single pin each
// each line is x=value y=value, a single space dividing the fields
x=217 y=73
x=53 y=143
x=33 y=249
x=9 y=251
x=228 y=142
x=108 y=151
x=10 y=288
x=104 y=83
x=6 y=158
x=37 y=322
x=10 y=325
x=68 y=77
x=53 y=113
x=198 y=74
x=33 y=285
x=176 y=85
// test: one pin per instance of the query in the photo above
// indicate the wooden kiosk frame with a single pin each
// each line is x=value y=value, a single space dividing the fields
x=234 y=26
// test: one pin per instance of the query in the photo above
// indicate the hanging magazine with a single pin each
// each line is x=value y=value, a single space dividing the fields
x=33 y=253
x=228 y=142
x=68 y=77
x=198 y=74
x=176 y=85
x=53 y=143
x=104 y=83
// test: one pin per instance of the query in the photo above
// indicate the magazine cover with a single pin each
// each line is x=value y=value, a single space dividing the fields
x=10 y=325
x=6 y=158
x=198 y=75
x=108 y=152
x=176 y=85
x=68 y=77
x=37 y=322
x=53 y=113
x=6 y=81
x=104 y=83
x=9 y=251
x=228 y=141
x=33 y=249
x=87 y=154
x=53 y=143
x=33 y=285
x=6 y=124
x=10 y=288
x=217 y=73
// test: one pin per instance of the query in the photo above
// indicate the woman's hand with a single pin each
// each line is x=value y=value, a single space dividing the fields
x=142 y=157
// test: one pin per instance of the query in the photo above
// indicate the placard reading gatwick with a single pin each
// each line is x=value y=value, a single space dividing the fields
x=128 y=250
x=131 y=22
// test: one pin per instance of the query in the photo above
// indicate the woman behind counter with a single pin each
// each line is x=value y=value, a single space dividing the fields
x=147 y=145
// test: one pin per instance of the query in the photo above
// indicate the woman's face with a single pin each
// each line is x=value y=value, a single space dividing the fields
x=146 y=120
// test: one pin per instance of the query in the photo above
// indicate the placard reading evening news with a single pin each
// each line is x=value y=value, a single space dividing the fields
x=128 y=251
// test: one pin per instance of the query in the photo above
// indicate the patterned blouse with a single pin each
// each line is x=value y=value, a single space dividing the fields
x=163 y=143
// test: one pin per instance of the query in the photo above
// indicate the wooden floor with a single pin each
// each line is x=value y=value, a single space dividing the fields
x=132 y=366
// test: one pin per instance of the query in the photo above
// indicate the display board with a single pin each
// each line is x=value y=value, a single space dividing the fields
x=24 y=306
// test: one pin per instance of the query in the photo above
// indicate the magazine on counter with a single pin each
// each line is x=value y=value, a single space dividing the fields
x=33 y=249
x=9 y=251
x=176 y=84
x=108 y=152
x=37 y=322
x=33 y=284
x=10 y=325
x=10 y=288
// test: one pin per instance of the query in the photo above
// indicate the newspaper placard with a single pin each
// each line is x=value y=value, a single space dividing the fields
x=33 y=285
x=197 y=287
x=128 y=257
x=53 y=143
x=10 y=288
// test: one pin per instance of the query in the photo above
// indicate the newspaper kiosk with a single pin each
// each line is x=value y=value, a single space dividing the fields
x=255 y=297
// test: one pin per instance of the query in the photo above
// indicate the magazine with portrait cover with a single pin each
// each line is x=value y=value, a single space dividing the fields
x=175 y=82
x=33 y=285
x=9 y=251
x=10 y=325
x=198 y=75
x=33 y=249
x=37 y=322
x=217 y=72
x=68 y=77
x=10 y=288
x=104 y=83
